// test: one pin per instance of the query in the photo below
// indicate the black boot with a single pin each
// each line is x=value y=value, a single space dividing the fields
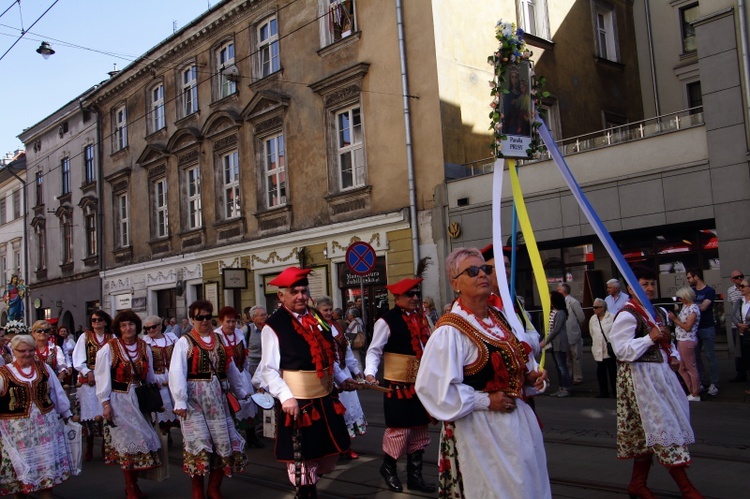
x=253 y=440
x=389 y=470
x=414 y=480
x=307 y=492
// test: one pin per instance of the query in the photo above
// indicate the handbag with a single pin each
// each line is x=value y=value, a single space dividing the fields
x=610 y=352
x=72 y=431
x=148 y=394
x=358 y=343
x=232 y=402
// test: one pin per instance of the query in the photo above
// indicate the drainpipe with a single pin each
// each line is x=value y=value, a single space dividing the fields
x=407 y=126
x=652 y=61
x=26 y=310
x=745 y=54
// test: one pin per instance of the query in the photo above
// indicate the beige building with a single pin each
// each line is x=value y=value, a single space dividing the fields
x=12 y=251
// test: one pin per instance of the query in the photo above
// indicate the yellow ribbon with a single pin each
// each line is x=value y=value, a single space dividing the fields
x=536 y=259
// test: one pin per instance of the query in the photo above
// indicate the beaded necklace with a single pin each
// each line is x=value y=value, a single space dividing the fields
x=23 y=374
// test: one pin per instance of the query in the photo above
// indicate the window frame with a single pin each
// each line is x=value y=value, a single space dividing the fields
x=16 y=201
x=265 y=47
x=161 y=208
x=194 y=218
x=89 y=163
x=279 y=172
x=157 y=110
x=541 y=18
x=66 y=227
x=41 y=238
x=3 y=210
x=327 y=24
x=91 y=234
x=120 y=126
x=685 y=27
x=226 y=87
x=189 y=88
x=39 y=183
x=608 y=48
x=122 y=227
x=350 y=149
x=230 y=196
x=65 y=176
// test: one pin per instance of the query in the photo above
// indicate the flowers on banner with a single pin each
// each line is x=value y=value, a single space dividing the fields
x=16 y=327
x=515 y=103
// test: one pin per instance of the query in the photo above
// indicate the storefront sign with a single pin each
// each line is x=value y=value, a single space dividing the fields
x=123 y=302
x=378 y=275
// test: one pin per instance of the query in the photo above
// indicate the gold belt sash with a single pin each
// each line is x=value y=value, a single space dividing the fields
x=307 y=384
x=399 y=367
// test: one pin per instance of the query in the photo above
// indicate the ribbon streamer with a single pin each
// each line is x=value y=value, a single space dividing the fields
x=595 y=221
x=537 y=265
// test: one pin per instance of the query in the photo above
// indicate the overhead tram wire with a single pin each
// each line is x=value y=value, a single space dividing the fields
x=23 y=32
x=10 y=7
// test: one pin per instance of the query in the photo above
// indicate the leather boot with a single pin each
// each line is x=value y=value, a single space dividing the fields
x=253 y=440
x=389 y=470
x=214 y=484
x=683 y=482
x=414 y=480
x=637 y=487
x=138 y=492
x=89 y=455
x=129 y=485
x=197 y=484
x=307 y=492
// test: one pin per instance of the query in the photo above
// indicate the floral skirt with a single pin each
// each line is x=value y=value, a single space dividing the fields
x=631 y=438
x=133 y=443
x=33 y=453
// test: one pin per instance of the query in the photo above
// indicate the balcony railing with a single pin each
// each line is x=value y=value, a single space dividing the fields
x=651 y=127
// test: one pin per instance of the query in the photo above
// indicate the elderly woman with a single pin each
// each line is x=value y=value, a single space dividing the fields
x=162 y=345
x=234 y=339
x=606 y=363
x=686 y=334
x=473 y=375
x=201 y=366
x=354 y=417
x=129 y=437
x=558 y=338
x=33 y=451
x=741 y=321
x=67 y=343
x=84 y=361
x=428 y=307
x=47 y=351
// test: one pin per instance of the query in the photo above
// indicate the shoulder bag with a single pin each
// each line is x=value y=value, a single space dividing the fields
x=610 y=352
x=148 y=394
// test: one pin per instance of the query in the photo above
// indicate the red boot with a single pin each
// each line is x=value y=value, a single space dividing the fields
x=680 y=477
x=129 y=485
x=214 y=484
x=138 y=492
x=197 y=483
x=637 y=487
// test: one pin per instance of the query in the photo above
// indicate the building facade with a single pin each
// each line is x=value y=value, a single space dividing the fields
x=13 y=275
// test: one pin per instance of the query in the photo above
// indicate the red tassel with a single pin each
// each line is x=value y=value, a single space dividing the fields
x=339 y=408
x=305 y=420
x=315 y=414
x=196 y=360
x=408 y=393
x=399 y=393
x=288 y=421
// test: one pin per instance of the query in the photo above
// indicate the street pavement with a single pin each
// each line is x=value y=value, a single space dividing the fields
x=579 y=441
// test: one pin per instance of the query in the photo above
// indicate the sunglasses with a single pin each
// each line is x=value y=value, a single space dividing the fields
x=206 y=317
x=149 y=328
x=738 y=276
x=97 y=319
x=45 y=331
x=412 y=292
x=473 y=271
x=742 y=286
x=597 y=307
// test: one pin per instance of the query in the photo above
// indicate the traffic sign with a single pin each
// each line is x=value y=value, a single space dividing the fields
x=360 y=258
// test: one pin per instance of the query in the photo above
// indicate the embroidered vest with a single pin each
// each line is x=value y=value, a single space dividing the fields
x=18 y=395
x=92 y=348
x=239 y=353
x=654 y=352
x=199 y=359
x=400 y=339
x=162 y=357
x=121 y=369
x=294 y=349
x=51 y=359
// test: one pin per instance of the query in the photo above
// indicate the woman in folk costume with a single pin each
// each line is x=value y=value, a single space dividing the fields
x=33 y=451
x=162 y=346
x=47 y=351
x=234 y=339
x=653 y=417
x=473 y=376
x=124 y=363
x=354 y=417
x=84 y=361
x=200 y=375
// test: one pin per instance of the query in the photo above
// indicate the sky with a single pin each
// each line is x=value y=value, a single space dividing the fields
x=88 y=37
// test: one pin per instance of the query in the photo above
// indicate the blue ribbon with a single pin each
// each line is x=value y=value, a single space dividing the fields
x=596 y=223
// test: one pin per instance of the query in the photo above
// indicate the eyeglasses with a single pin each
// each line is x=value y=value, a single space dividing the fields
x=597 y=307
x=149 y=328
x=473 y=271
x=45 y=331
x=742 y=286
x=97 y=319
x=206 y=317
x=738 y=276
x=412 y=292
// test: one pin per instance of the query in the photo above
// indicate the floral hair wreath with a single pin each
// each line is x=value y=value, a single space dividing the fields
x=512 y=50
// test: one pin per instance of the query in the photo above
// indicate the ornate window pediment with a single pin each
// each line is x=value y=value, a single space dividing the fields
x=219 y=122
x=152 y=153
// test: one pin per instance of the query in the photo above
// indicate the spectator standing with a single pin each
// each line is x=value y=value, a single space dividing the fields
x=705 y=296
x=734 y=296
x=606 y=363
x=741 y=321
x=428 y=308
x=258 y=316
x=558 y=339
x=176 y=328
x=575 y=339
x=686 y=334
x=616 y=298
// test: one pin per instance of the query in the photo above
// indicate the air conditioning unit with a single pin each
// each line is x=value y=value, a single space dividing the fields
x=231 y=73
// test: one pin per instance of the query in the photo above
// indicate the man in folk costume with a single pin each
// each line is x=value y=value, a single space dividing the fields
x=398 y=339
x=298 y=368
x=653 y=417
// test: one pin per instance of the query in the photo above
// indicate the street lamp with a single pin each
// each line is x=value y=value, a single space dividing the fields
x=45 y=49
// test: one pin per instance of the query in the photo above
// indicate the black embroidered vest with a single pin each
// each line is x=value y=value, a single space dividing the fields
x=17 y=395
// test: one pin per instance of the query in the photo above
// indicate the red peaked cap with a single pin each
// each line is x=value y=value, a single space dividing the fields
x=488 y=252
x=403 y=285
x=290 y=277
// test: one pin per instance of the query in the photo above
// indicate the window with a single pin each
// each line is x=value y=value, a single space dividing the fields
x=338 y=19
x=91 y=248
x=190 y=90
x=3 y=271
x=39 y=189
x=88 y=164
x=230 y=194
x=351 y=159
x=3 y=211
x=41 y=247
x=121 y=129
x=195 y=217
x=225 y=60
x=123 y=221
x=687 y=16
x=694 y=97
x=161 y=218
x=65 y=171
x=67 y=239
x=16 y=204
x=274 y=166
x=157 y=108
x=268 y=47
x=605 y=31
x=533 y=17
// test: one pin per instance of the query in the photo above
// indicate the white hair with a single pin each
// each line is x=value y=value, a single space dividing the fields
x=614 y=282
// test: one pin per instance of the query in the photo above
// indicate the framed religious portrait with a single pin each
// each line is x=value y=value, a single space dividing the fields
x=234 y=278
